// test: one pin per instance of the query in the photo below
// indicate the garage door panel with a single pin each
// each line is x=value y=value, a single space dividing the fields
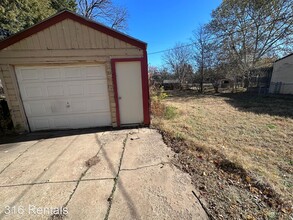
x=96 y=87
x=61 y=73
x=70 y=122
x=102 y=119
x=60 y=123
x=78 y=105
x=75 y=88
x=29 y=75
x=99 y=105
x=35 y=109
x=40 y=124
x=54 y=90
x=32 y=92
x=93 y=72
x=81 y=121
x=50 y=74
x=55 y=107
x=72 y=73
x=65 y=97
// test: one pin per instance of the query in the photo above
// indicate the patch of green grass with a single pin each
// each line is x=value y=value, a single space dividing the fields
x=179 y=136
x=288 y=184
x=271 y=126
x=170 y=112
x=272 y=215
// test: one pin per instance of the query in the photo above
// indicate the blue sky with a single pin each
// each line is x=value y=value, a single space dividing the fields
x=162 y=23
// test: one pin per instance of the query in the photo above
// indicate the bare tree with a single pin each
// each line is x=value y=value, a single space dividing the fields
x=178 y=60
x=249 y=31
x=203 y=51
x=105 y=12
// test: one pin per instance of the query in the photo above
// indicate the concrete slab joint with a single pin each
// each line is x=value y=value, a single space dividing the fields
x=123 y=174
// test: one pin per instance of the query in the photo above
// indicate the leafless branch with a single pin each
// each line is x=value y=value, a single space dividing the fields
x=104 y=11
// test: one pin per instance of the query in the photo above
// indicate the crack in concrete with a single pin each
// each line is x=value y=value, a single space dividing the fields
x=55 y=182
x=39 y=176
x=147 y=166
x=83 y=173
x=110 y=199
x=20 y=155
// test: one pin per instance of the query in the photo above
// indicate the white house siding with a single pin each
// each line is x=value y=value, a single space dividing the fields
x=282 y=77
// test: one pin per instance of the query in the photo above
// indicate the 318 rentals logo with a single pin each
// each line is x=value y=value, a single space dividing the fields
x=35 y=210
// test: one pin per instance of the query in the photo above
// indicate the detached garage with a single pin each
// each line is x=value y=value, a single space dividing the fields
x=70 y=72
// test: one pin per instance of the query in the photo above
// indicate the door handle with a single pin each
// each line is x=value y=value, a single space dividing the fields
x=119 y=97
x=67 y=105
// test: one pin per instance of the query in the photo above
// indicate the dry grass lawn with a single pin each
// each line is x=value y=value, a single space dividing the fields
x=254 y=132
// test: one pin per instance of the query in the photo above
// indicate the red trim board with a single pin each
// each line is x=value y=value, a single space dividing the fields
x=114 y=78
x=70 y=15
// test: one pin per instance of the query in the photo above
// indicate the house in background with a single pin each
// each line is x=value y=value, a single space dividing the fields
x=170 y=84
x=70 y=72
x=282 y=77
x=225 y=83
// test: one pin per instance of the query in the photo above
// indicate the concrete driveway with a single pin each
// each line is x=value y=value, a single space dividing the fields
x=124 y=174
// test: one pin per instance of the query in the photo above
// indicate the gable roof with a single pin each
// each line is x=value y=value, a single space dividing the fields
x=70 y=15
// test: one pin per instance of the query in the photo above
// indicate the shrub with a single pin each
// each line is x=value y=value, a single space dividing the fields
x=170 y=112
x=157 y=96
x=158 y=109
x=6 y=125
x=158 y=93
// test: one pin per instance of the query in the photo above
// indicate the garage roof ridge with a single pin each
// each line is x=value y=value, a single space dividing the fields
x=66 y=14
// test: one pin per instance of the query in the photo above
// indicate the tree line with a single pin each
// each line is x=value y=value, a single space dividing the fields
x=16 y=15
x=241 y=36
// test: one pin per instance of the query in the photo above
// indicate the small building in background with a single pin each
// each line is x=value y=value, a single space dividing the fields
x=170 y=84
x=225 y=83
x=282 y=77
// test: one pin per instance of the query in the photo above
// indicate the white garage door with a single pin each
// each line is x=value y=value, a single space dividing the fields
x=62 y=97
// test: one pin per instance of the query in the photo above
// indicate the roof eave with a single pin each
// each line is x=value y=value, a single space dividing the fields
x=284 y=57
x=65 y=14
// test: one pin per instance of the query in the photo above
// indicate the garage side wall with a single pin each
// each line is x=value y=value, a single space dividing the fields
x=12 y=97
x=67 y=42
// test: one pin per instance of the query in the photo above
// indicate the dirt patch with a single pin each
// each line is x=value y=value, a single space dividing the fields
x=92 y=161
x=229 y=191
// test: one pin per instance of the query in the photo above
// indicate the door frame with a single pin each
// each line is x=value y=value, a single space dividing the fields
x=144 y=86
